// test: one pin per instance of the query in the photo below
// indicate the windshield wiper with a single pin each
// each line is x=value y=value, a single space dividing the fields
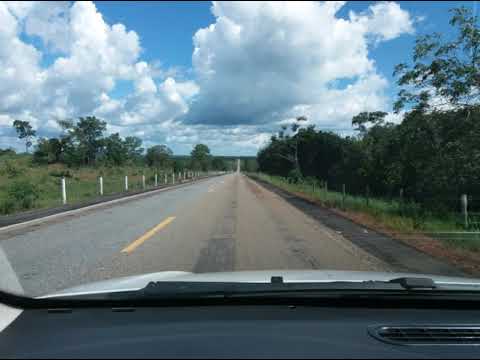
x=277 y=287
x=412 y=283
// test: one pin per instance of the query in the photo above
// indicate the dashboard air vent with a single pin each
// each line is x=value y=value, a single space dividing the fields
x=429 y=335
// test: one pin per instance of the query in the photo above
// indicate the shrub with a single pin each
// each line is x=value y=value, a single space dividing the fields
x=295 y=176
x=23 y=193
x=7 y=206
x=11 y=170
x=60 y=173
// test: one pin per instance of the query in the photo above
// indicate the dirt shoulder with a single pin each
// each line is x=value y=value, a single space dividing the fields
x=406 y=253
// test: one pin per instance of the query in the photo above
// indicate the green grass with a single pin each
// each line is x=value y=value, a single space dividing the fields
x=402 y=218
x=82 y=183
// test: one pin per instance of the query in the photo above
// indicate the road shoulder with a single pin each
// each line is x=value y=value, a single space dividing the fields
x=400 y=256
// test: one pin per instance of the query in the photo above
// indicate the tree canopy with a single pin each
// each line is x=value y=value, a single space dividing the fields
x=25 y=132
x=200 y=157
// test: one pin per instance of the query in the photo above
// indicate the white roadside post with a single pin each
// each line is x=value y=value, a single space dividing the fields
x=126 y=182
x=64 y=191
x=464 y=201
x=143 y=182
x=156 y=179
x=100 y=185
x=166 y=178
x=173 y=178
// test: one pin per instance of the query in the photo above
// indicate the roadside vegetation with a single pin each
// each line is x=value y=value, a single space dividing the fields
x=394 y=216
x=409 y=174
x=81 y=154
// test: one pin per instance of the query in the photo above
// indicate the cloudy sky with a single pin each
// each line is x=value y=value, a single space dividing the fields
x=226 y=74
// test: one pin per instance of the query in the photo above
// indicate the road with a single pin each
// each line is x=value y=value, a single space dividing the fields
x=225 y=223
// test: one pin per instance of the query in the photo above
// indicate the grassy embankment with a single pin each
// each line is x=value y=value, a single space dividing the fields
x=25 y=186
x=388 y=216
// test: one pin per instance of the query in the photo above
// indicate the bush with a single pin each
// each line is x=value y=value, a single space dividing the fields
x=11 y=170
x=60 y=173
x=23 y=194
x=295 y=176
x=7 y=206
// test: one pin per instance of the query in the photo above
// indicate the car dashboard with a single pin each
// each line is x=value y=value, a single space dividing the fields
x=233 y=331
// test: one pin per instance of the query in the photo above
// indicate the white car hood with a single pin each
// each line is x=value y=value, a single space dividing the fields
x=132 y=283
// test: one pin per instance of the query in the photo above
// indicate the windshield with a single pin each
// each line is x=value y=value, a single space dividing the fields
x=238 y=142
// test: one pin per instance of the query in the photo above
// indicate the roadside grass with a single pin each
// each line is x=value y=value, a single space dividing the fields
x=82 y=183
x=398 y=218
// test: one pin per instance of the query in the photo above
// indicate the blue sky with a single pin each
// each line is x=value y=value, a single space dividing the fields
x=260 y=65
x=180 y=20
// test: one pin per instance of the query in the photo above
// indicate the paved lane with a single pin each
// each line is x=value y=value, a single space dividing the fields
x=226 y=223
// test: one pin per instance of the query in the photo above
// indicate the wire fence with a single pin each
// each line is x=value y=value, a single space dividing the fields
x=466 y=215
x=67 y=187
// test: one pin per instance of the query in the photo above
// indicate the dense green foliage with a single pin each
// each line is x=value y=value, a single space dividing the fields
x=444 y=72
x=431 y=157
x=434 y=157
x=201 y=158
x=159 y=156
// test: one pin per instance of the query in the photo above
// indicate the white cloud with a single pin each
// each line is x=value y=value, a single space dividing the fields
x=89 y=57
x=385 y=20
x=260 y=61
x=257 y=65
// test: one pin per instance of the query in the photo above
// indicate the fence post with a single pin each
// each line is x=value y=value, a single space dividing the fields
x=464 y=200
x=343 y=196
x=173 y=177
x=156 y=179
x=143 y=182
x=100 y=184
x=126 y=182
x=64 y=191
x=166 y=178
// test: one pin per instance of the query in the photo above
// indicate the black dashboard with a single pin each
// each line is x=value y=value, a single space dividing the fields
x=276 y=331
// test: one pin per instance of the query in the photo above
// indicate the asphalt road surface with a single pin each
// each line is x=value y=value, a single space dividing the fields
x=225 y=223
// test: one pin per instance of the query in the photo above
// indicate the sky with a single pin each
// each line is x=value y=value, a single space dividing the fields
x=227 y=74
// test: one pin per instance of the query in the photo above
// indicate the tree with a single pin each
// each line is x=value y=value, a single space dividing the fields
x=180 y=164
x=200 y=157
x=443 y=72
x=88 y=133
x=291 y=146
x=115 y=150
x=219 y=164
x=159 y=156
x=48 y=151
x=134 y=148
x=374 y=118
x=251 y=165
x=24 y=131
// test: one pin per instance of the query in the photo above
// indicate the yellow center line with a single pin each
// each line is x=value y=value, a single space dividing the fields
x=147 y=235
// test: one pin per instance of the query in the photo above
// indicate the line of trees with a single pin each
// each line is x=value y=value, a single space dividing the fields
x=433 y=155
x=84 y=143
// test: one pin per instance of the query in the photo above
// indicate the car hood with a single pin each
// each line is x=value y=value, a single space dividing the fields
x=132 y=283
